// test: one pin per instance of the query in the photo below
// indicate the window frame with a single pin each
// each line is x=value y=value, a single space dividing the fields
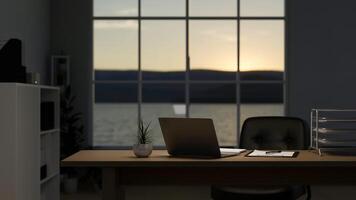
x=140 y=81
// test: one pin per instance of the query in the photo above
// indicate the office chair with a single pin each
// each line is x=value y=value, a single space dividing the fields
x=268 y=133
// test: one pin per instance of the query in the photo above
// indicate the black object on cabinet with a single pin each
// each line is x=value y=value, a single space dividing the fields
x=11 y=69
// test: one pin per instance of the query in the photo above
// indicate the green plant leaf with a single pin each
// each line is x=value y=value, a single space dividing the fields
x=143 y=135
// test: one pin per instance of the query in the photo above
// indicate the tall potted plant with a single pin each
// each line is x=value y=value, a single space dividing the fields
x=72 y=136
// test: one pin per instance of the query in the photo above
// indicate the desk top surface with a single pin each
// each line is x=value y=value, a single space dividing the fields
x=160 y=158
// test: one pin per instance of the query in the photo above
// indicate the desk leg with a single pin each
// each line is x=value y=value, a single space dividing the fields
x=111 y=185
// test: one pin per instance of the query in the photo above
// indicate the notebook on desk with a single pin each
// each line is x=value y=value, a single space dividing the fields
x=193 y=137
x=272 y=153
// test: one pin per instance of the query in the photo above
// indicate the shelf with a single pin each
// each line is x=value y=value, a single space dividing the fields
x=49 y=131
x=335 y=143
x=17 y=84
x=29 y=85
x=339 y=151
x=334 y=110
x=332 y=130
x=21 y=125
x=48 y=178
x=49 y=87
x=336 y=120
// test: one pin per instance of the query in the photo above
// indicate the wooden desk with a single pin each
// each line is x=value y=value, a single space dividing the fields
x=121 y=167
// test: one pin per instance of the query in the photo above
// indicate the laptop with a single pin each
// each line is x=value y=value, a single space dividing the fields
x=193 y=137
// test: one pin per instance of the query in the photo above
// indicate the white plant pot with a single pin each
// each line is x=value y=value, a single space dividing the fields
x=142 y=150
x=70 y=185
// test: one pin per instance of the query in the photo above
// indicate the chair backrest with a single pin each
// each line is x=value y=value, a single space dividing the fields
x=272 y=133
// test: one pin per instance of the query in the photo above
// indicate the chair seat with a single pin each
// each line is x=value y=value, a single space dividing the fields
x=257 y=193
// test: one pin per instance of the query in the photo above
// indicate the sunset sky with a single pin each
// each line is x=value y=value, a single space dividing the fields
x=213 y=43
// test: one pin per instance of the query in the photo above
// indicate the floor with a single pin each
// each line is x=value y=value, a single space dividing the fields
x=80 y=196
x=202 y=193
x=145 y=192
x=86 y=191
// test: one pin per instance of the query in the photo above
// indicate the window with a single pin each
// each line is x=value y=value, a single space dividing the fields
x=219 y=59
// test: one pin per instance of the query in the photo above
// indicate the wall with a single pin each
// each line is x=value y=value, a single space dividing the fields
x=322 y=49
x=71 y=32
x=28 y=21
x=322 y=64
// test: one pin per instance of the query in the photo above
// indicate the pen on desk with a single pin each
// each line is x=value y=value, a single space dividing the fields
x=274 y=151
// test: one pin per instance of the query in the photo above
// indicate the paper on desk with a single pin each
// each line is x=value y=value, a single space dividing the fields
x=259 y=153
x=227 y=150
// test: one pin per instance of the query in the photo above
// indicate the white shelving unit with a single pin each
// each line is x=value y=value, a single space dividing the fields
x=24 y=148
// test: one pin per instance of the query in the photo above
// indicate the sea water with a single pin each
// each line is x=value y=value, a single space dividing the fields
x=116 y=124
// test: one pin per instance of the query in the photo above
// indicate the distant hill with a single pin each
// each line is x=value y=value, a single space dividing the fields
x=199 y=92
x=194 y=75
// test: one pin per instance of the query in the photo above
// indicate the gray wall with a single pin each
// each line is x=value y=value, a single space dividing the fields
x=322 y=55
x=322 y=64
x=28 y=21
x=71 y=32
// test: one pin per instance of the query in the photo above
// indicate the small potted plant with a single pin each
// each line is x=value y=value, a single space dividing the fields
x=143 y=147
